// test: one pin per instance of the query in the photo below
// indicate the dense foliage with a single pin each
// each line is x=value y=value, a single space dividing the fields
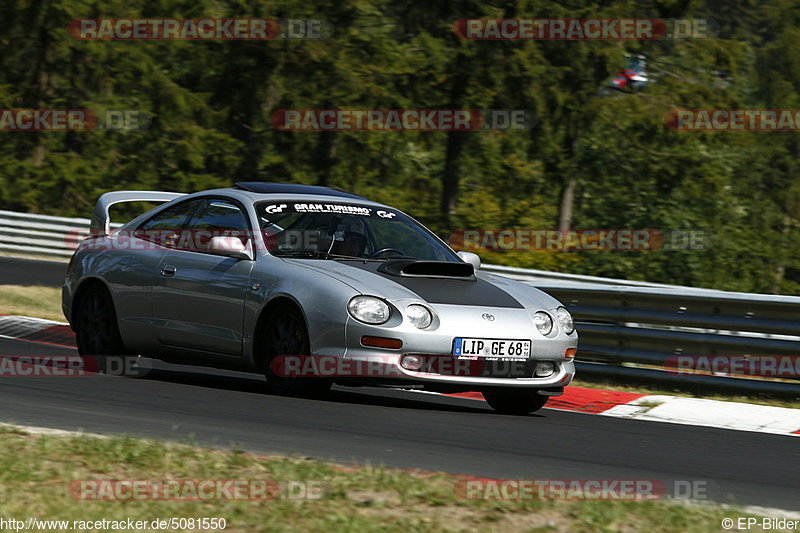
x=593 y=160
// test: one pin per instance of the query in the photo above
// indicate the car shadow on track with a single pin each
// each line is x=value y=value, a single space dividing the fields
x=391 y=398
x=253 y=383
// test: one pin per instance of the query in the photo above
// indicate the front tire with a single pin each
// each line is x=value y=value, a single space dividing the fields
x=286 y=335
x=511 y=402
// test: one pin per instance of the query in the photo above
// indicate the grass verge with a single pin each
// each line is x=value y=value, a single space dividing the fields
x=35 y=471
x=35 y=301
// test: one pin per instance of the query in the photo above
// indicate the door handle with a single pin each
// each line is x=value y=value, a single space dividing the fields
x=168 y=270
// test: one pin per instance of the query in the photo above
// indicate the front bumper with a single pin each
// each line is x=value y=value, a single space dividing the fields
x=460 y=321
x=386 y=369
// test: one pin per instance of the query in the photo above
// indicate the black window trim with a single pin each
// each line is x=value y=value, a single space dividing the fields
x=202 y=202
x=208 y=199
x=167 y=207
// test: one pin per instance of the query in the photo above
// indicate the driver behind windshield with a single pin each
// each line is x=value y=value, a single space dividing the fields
x=345 y=231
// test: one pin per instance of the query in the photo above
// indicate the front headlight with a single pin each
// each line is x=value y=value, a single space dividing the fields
x=565 y=319
x=543 y=322
x=419 y=316
x=368 y=309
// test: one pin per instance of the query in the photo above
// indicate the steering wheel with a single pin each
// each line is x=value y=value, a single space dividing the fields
x=373 y=255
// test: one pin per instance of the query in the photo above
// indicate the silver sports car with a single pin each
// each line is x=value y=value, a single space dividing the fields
x=312 y=286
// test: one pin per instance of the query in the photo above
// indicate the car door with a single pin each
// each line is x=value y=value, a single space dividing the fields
x=134 y=273
x=200 y=305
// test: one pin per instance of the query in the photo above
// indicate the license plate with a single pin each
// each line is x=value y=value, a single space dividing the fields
x=518 y=349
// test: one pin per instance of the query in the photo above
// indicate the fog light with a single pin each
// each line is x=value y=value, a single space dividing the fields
x=544 y=369
x=411 y=362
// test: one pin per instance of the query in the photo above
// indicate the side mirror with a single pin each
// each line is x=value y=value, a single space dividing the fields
x=228 y=247
x=472 y=259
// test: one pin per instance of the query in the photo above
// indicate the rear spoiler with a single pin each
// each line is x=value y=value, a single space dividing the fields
x=101 y=220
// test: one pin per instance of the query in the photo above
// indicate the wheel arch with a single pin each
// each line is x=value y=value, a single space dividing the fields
x=85 y=287
x=80 y=292
x=274 y=303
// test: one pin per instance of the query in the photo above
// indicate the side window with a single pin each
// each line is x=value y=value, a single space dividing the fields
x=218 y=218
x=165 y=227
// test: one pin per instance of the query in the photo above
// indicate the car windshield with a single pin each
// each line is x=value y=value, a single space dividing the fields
x=342 y=231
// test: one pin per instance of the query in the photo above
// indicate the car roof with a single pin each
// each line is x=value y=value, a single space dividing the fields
x=287 y=191
x=265 y=187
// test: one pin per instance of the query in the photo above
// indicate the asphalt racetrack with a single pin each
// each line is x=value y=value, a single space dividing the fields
x=403 y=429
x=18 y=271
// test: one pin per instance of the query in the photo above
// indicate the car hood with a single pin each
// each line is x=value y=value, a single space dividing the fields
x=484 y=289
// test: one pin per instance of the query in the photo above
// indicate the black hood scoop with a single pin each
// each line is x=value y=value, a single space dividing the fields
x=440 y=282
x=428 y=269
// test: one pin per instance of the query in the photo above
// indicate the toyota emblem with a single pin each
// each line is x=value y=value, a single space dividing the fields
x=488 y=317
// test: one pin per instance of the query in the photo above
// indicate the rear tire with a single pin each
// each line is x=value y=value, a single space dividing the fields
x=286 y=333
x=97 y=331
x=508 y=402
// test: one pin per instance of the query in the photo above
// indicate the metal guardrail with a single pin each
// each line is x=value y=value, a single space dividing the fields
x=529 y=274
x=628 y=329
x=41 y=234
x=637 y=333
x=633 y=330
